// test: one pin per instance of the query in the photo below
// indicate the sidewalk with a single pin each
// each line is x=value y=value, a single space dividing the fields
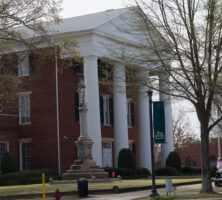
x=188 y=189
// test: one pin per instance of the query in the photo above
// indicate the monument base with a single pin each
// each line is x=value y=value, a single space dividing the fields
x=84 y=166
x=84 y=169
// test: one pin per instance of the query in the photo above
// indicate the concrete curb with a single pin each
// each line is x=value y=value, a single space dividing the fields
x=93 y=192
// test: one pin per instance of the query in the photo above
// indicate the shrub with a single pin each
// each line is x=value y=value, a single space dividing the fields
x=8 y=164
x=213 y=170
x=128 y=173
x=173 y=160
x=26 y=177
x=166 y=171
x=126 y=159
x=191 y=170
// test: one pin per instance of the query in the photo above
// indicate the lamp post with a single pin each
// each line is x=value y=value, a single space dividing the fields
x=154 y=191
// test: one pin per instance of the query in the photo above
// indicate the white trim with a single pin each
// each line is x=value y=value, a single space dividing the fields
x=107 y=140
x=24 y=93
x=20 y=154
x=8 y=115
x=27 y=109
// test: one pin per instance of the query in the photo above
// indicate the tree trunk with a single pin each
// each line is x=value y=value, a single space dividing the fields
x=205 y=161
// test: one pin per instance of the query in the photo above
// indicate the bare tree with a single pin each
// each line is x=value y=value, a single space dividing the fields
x=182 y=42
x=183 y=135
x=23 y=25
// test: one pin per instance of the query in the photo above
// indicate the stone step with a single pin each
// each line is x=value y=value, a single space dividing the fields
x=87 y=175
x=90 y=167
x=84 y=170
x=74 y=167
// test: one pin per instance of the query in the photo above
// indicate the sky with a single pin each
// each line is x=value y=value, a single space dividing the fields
x=72 y=8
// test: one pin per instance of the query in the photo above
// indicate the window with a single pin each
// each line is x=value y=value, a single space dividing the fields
x=23 y=64
x=78 y=66
x=3 y=150
x=1 y=104
x=106 y=110
x=130 y=113
x=105 y=70
x=25 y=156
x=24 y=109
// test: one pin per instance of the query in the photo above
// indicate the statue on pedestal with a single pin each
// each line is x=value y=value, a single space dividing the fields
x=84 y=166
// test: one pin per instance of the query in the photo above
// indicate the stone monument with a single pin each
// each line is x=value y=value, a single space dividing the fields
x=84 y=166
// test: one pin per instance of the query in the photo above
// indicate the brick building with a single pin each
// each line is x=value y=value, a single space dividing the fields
x=39 y=128
x=191 y=155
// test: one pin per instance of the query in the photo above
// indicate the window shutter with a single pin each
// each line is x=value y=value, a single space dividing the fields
x=31 y=63
x=111 y=110
x=77 y=107
x=2 y=65
x=110 y=72
x=15 y=64
x=134 y=149
x=132 y=114
x=101 y=110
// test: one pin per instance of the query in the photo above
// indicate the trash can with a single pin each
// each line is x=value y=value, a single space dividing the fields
x=83 y=187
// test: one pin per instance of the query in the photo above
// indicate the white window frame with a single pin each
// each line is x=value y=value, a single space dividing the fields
x=20 y=154
x=24 y=112
x=106 y=110
x=23 y=61
x=129 y=114
x=7 y=143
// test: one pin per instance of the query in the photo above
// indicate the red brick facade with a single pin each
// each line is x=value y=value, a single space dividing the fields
x=193 y=151
x=42 y=131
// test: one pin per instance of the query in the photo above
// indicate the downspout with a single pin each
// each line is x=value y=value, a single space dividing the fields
x=57 y=110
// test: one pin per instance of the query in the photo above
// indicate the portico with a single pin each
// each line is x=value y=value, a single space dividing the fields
x=103 y=40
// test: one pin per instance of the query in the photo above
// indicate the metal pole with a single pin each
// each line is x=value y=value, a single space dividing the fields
x=57 y=109
x=218 y=144
x=154 y=191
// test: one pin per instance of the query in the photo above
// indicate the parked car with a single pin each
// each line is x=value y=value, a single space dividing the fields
x=218 y=178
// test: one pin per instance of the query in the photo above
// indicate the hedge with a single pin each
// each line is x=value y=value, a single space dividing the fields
x=166 y=171
x=174 y=161
x=26 y=177
x=8 y=164
x=128 y=173
x=188 y=170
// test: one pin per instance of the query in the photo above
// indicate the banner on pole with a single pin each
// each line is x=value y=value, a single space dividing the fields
x=159 y=122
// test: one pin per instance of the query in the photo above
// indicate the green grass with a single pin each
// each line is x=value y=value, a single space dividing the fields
x=53 y=198
x=37 y=188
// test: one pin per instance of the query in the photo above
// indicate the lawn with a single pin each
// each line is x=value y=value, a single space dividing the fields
x=37 y=188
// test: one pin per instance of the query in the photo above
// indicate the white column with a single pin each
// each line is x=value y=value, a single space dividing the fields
x=92 y=100
x=168 y=146
x=120 y=110
x=144 y=129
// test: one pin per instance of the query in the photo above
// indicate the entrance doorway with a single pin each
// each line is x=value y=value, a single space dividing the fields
x=107 y=154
